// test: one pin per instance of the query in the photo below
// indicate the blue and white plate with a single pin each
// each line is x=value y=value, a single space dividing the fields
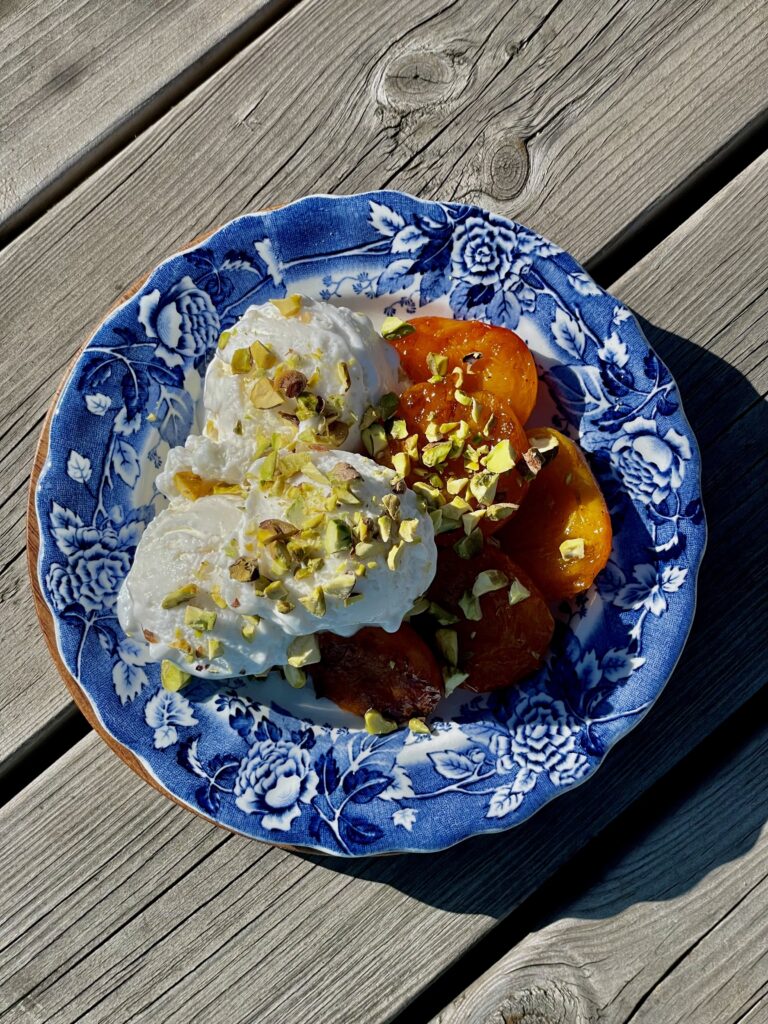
x=277 y=764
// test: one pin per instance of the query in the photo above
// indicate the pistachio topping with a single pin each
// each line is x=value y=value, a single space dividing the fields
x=340 y=586
x=393 y=556
x=303 y=650
x=436 y=452
x=437 y=364
x=179 y=596
x=215 y=647
x=447 y=641
x=391 y=505
x=418 y=725
x=217 y=597
x=244 y=570
x=501 y=457
x=263 y=395
x=192 y=486
x=337 y=536
x=386 y=526
x=374 y=439
x=289 y=306
x=469 y=546
x=171 y=676
x=342 y=369
x=314 y=602
x=452 y=679
x=471 y=520
x=488 y=581
x=470 y=606
x=572 y=549
x=407 y=530
x=483 y=487
x=345 y=472
x=200 y=619
x=377 y=725
x=394 y=327
x=398 y=430
x=242 y=360
x=262 y=355
x=517 y=592
x=501 y=510
x=462 y=397
x=224 y=339
x=295 y=677
x=401 y=463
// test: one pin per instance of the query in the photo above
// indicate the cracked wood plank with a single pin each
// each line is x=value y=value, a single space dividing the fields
x=144 y=913
x=78 y=79
x=578 y=120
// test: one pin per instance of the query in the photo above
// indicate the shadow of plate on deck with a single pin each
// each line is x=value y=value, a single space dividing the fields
x=491 y=875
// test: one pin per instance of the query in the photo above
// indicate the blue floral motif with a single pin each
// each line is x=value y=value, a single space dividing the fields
x=274 y=773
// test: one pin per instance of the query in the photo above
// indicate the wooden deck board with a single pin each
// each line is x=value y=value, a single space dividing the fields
x=577 y=119
x=145 y=913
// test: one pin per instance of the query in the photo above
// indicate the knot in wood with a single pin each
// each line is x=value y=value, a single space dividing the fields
x=422 y=78
x=505 y=165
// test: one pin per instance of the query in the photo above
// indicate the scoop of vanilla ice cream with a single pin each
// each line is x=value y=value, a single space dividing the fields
x=185 y=545
x=358 y=582
x=343 y=358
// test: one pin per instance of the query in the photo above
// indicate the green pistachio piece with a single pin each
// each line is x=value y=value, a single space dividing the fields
x=374 y=439
x=435 y=453
x=393 y=557
x=391 y=505
x=171 y=676
x=249 y=627
x=289 y=306
x=342 y=369
x=303 y=650
x=295 y=677
x=180 y=596
x=268 y=467
x=483 y=487
x=441 y=615
x=214 y=647
x=340 y=586
x=470 y=606
x=264 y=396
x=262 y=355
x=501 y=458
x=394 y=327
x=224 y=339
x=437 y=364
x=471 y=520
x=314 y=602
x=447 y=641
x=377 y=725
x=275 y=591
x=387 y=405
x=398 y=430
x=407 y=530
x=242 y=360
x=572 y=549
x=488 y=581
x=199 y=618
x=401 y=463
x=501 y=510
x=385 y=526
x=244 y=570
x=418 y=725
x=337 y=536
x=462 y=397
x=469 y=546
x=517 y=592
x=453 y=679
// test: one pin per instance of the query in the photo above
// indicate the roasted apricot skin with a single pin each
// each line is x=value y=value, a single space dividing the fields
x=509 y=642
x=493 y=359
x=564 y=503
x=395 y=674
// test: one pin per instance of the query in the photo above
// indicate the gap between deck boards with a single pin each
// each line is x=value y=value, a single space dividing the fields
x=125 y=132
x=608 y=266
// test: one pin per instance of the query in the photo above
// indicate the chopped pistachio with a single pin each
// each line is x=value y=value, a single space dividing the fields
x=439 y=523
x=289 y=306
x=398 y=430
x=488 y=581
x=419 y=606
x=171 y=676
x=470 y=606
x=314 y=602
x=224 y=488
x=342 y=369
x=418 y=725
x=441 y=615
x=447 y=641
x=275 y=529
x=295 y=677
x=391 y=505
x=230 y=548
x=377 y=725
x=244 y=570
x=433 y=432
x=448 y=428
x=345 y=472
x=462 y=431
x=385 y=526
x=411 y=446
x=469 y=546
x=262 y=355
x=483 y=487
x=337 y=536
x=437 y=364
x=457 y=507
x=199 y=618
x=393 y=557
x=471 y=520
x=501 y=510
x=401 y=463
x=394 y=327
x=374 y=438
x=303 y=650
x=215 y=647
x=518 y=592
x=462 y=397
x=501 y=457
x=340 y=586
x=360 y=571
x=572 y=549
x=151 y=417
x=192 y=486
x=387 y=405
x=223 y=339
x=284 y=606
x=264 y=396
x=352 y=599
x=430 y=494
x=268 y=467
x=177 y=597
x=242 y=360
x=458 y=375
x=216 y=596
x=407 y=530
x=453 y=679
x=435 y=453
x=308 y=405
x=275 y=591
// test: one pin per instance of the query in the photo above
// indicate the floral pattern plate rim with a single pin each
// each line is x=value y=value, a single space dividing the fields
x=274 y=763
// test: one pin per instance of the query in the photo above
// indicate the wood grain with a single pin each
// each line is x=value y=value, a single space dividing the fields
x=439 y=100
x=150 y=915
x=78 y=79
x=674 y=932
